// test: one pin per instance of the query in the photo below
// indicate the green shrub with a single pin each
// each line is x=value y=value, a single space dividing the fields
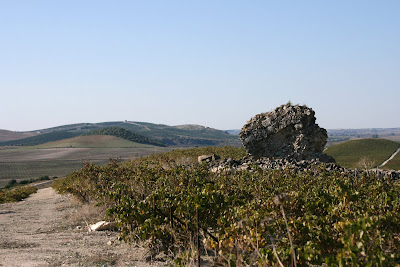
x=16 y=194
x=11 y=183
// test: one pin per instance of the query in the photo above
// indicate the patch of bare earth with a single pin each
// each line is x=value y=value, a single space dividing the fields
x=48 y=229
x=6 y=135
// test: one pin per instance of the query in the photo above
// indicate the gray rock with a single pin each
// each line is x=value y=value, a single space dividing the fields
x=287 y=132
x=207 y=158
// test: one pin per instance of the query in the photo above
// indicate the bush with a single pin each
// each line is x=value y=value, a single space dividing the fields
x=11 y=183
x=16 y=194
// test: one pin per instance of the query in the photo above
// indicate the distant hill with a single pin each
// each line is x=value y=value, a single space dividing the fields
x=93 y=141
x=233 y=132
x=6 y=135
x=362 y=152
x=188 y=135
x=339 y=135
x=41 y=138
x=126 y=134
x=182 y=135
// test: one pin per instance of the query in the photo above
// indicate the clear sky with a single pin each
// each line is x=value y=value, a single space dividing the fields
x=213 y=63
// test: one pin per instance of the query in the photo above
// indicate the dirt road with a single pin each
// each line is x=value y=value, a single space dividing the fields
x=48 y=229
x=390 y=158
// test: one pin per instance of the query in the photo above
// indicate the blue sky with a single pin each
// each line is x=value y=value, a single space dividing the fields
x=214 y=63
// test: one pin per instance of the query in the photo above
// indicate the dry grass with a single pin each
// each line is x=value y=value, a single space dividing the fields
x=83 y=214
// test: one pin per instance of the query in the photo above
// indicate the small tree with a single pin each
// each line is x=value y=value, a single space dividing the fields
x=11 y=183
x=366 y=163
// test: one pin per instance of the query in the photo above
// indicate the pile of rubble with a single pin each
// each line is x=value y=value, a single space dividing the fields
x=312 y=166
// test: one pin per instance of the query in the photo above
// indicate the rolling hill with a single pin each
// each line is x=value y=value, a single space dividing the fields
x=93 y=141
x=362 y=153
x=40 y=138
x=393 y=164
x=6 y=135
x=182 y=135
x=126 y=134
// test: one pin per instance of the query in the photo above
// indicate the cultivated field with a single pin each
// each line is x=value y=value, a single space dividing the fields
x=6 y=135
x=62 y=157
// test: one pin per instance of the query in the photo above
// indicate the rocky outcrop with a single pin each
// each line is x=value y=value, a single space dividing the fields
x=288 y=132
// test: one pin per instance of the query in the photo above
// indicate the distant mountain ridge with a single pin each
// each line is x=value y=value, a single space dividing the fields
x=182 y=135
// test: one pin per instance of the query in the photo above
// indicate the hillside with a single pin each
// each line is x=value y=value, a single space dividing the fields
x=125 y=134
x=393 y=164
x=336 y=136
x=6 y=135
x=181 y=135
x=41 y=138
x=362 y=153
x=93 y=141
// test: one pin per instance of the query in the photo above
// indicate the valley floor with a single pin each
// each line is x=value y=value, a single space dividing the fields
x=43 y=230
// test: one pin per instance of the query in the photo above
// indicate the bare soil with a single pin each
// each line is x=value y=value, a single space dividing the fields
x=6 y=135
x=48 y=229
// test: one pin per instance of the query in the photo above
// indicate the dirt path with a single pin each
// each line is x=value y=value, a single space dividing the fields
x=48 y=229
x=390 y=158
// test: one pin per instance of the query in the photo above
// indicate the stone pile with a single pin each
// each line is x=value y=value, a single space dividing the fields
x=312 y=166
x=249 y=163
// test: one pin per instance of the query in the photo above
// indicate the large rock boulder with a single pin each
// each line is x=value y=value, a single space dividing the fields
x=287 y=132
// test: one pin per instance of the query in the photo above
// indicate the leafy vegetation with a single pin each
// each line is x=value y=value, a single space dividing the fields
x=126 y=134
x=16 y=194
x=333 y=218
x=14 y=183
x=375 y=151
x=41 y=138
x=11 y=183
